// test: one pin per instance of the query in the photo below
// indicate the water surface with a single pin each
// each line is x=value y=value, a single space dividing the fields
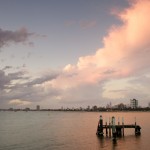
x=68 y=131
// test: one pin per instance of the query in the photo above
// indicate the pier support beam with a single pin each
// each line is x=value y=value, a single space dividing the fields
x=122 y=126
x=109 y=128
x=118 y=132
x=106 y=128
x=137 y=130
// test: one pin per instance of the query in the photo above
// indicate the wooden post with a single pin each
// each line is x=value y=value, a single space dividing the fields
x=137 y=129
x=100 y=127
x=109 y=128
x=113 y=129
x=106 y=128
x=122 y=126
x=135 y=126
x=118 y=121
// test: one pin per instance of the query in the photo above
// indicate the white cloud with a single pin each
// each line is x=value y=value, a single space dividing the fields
x=19 y=102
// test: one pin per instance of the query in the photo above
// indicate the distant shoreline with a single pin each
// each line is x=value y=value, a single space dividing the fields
x=80 y=110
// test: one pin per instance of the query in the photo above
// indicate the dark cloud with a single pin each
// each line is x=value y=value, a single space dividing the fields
x=43 y=79
x=16 y=75
x=4 y=80
x=31 y=93
x=18 y=36
x=25 y=87
x=7 y=67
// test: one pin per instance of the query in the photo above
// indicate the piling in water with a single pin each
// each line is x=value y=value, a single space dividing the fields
x=122 y=126
x=100 y=127
x=113 y=129
x=109 y=128
x=137 y=129
x=106 y=128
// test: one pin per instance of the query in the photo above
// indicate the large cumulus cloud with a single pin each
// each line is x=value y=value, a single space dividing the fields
x=125 y=53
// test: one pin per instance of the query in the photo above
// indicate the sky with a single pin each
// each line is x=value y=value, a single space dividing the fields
x=66 y=53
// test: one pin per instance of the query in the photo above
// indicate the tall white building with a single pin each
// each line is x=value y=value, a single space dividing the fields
x=133 y=103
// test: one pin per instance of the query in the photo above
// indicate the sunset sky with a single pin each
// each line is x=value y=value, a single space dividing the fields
x=72 y=53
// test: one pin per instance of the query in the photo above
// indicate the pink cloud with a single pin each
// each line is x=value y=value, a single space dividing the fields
x=126 y=50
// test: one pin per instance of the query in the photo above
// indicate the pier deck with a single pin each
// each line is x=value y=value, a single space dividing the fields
x=122 y=126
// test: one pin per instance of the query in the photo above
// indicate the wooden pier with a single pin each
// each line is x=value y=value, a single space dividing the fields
x=113 y=130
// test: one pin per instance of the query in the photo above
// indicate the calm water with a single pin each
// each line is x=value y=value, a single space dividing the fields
x=68 y=131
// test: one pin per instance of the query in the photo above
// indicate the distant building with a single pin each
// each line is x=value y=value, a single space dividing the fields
x=133 y=103
x=38 y=107
x=11 y=109
x=120 y=106
x=27 y=109
x=109 y=106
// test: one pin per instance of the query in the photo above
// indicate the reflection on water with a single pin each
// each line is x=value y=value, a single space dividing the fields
x=101 y=142
x=68 y=131
x=129 y=142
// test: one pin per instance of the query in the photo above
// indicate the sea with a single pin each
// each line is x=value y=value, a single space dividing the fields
x=67 y=130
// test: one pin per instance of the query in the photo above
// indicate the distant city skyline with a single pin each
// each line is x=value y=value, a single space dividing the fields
x=74 y=53
x=132 y=105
